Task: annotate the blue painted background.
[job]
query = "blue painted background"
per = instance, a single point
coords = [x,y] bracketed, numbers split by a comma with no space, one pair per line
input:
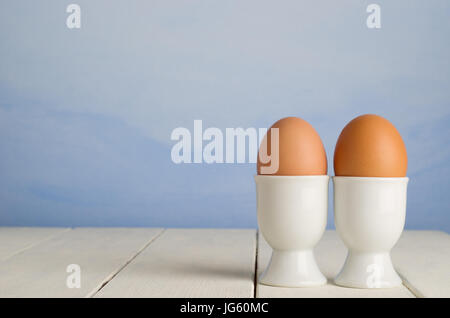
[86,115]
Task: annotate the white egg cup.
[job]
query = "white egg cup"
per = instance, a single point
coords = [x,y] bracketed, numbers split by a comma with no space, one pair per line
[369,215]
[292,216]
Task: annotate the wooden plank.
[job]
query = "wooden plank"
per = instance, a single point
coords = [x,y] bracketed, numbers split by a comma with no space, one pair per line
[15,240]
[190,263]
[101,252]
[330,255]
[423,260]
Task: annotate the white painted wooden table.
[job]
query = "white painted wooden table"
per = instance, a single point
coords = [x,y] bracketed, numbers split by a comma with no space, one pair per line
[150,262]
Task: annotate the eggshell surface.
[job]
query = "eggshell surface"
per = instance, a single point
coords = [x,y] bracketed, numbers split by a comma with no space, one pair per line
[370,146]
[301,151]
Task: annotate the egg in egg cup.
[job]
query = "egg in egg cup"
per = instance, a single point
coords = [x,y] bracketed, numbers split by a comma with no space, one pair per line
[370,189]
[292,201]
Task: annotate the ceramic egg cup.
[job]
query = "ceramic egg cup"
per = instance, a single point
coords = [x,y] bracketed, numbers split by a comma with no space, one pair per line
[292,216]
[369,217]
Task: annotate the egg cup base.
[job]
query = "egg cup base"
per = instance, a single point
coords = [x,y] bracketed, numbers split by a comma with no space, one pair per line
[368,270]
[292,269]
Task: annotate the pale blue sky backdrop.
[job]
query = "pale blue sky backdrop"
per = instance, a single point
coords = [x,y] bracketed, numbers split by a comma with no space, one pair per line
[86,115]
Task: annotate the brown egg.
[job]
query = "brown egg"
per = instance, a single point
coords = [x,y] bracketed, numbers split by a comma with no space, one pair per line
[301,151]
[370,146]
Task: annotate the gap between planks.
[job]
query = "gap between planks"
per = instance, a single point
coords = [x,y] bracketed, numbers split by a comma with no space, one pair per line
[115,273]
[31,245]
[255,280]
[409,286]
